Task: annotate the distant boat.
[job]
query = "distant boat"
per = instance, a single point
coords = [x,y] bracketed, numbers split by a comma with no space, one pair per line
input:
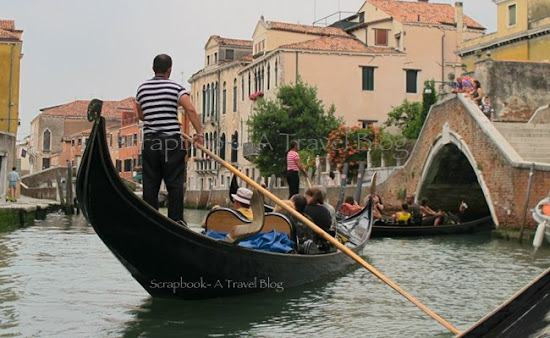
[173,261]
[380,229]
[541,214]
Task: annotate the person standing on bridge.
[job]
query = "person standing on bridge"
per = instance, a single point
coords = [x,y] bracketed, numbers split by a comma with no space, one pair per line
[157,102]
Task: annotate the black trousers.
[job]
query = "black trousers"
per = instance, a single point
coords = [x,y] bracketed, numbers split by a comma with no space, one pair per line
[293,179]
[164,158]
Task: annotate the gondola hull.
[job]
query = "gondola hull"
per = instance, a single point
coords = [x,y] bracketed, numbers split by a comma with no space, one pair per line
[172,261]
[524,315]
[482,224]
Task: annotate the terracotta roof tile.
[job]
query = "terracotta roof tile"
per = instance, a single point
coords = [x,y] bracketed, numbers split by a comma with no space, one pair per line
[422,12]
[233,42]
[79,108]
[7,25]
[338,44]
[290,27]
[6,34]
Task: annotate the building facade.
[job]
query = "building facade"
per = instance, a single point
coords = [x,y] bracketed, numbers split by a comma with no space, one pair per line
[10,66]
[54,125]
[364,65]
[523,34]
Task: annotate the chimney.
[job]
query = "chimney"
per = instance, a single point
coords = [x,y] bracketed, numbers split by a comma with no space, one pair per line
[459,19]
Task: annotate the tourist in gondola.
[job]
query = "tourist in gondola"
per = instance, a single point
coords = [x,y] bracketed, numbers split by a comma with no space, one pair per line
[349,207]
[329,207]
[429,216]
[402,217]
[377,206]
[157,102]
[414,209]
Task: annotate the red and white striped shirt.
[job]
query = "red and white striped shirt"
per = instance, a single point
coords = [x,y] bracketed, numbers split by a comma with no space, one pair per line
[292,161]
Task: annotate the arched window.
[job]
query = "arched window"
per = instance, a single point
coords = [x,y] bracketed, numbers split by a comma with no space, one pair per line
[224,99]
[268,75]
[276,73]
[235,95]
[215,143]
[207,113]
[206,141]
[222,146]
[249,84]
[46,140]
[256,79]
[203,102]
[213,99]
[242,87]
[234,147]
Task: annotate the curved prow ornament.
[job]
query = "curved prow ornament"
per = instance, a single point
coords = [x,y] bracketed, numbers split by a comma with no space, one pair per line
[94,109]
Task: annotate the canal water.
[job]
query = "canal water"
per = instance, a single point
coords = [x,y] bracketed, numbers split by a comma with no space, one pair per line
[57,279]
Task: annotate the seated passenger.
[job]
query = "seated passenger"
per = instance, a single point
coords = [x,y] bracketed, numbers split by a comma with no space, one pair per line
[402,217]
[429,216]
[241,203]
[349,207]
[377,206]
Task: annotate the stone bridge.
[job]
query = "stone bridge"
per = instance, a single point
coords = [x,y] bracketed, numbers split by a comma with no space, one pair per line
[461,156]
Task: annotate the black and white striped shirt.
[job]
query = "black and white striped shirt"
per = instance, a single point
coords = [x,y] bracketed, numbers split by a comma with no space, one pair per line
[158,98]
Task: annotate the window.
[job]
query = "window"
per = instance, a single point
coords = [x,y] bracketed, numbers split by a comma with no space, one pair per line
[229,54]
[242,87]
[118,165]
[72,142]
[235,95]
[276,73]
[45,163]
[46,140]
[215,57]
[268,75]
[249,84]
[79,142]
[110,140]
[412,77]
[512,15]
[224,99]
[127,165]
[135,141]
[381,37]
[222,147]
[234,147]
[203,101]
[207,113]
[368,78]
[208,60]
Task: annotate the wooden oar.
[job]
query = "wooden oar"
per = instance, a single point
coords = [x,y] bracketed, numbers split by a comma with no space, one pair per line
[326,236]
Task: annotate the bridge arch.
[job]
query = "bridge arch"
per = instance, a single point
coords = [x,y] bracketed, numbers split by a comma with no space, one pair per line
[451,172]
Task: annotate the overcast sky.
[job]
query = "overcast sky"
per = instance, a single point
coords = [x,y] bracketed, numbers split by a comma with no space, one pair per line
[78,50]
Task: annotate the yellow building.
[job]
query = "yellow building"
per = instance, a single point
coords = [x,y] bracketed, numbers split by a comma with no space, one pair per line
[10,61]
[523,33]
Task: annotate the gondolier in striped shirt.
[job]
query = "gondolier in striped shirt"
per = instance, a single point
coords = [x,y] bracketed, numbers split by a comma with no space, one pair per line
[157,102]
[293,166]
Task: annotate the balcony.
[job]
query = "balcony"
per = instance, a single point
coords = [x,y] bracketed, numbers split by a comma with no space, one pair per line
[251,151]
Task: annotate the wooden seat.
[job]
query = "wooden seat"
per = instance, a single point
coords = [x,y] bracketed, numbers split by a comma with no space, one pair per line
[224,219]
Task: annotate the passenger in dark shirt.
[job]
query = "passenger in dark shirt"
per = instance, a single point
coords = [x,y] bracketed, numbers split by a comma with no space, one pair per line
[414,209]
[315,209]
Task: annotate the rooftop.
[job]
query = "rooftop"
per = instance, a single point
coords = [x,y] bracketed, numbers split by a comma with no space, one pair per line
[339,44]
[290,27]
[79,108]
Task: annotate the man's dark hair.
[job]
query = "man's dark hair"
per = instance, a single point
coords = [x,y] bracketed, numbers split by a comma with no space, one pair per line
[405,206]
[13,168]
[162,63]
[300,202]
[293,144]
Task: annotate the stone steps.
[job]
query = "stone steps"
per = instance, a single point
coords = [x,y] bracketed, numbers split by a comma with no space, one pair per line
[532,142]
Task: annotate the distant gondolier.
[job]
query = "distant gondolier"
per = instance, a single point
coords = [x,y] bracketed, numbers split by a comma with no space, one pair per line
[157,102]
[293,166]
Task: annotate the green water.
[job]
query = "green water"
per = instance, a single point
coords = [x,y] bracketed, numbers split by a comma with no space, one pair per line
[57,279]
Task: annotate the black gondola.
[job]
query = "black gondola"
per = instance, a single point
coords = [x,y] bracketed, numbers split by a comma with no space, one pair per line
[381,229]
[172,261]
[524,315]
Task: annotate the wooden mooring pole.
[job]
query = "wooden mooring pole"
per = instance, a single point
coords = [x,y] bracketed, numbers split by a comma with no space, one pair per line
[531,174]
[69,206]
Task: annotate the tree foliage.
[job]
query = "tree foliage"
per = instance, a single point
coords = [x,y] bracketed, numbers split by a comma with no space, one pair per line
[409,117]
[295,114]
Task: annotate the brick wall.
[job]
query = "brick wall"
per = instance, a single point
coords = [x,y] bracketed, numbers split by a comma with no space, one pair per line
[505,181]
